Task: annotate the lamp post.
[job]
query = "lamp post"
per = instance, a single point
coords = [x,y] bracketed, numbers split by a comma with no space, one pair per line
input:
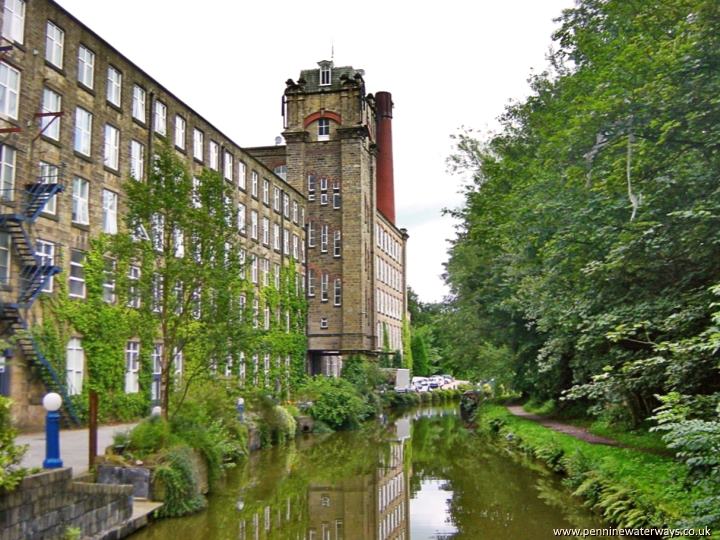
[52,403]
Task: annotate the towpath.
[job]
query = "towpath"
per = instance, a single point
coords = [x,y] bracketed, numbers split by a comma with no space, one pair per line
[574,431]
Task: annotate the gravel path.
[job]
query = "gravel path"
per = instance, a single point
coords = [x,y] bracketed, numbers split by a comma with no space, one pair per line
[574,431]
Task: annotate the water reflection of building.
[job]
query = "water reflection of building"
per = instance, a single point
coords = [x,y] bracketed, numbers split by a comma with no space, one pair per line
[371,506]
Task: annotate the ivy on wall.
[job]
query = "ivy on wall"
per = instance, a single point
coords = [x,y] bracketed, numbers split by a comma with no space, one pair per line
[191,294]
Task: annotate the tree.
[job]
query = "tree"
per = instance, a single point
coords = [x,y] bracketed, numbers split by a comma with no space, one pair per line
[420,356]
[183,242]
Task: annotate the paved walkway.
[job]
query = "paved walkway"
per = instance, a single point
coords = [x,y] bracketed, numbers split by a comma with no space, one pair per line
[73,446]
[574,431]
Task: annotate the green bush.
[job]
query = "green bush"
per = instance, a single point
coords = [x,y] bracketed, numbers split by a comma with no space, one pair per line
[10,454]
[336,402]
[182,495]
[149,436]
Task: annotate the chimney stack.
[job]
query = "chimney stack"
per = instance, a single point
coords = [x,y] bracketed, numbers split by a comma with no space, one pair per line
[385,182]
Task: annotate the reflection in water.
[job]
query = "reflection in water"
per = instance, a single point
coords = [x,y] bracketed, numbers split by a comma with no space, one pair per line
[418,477]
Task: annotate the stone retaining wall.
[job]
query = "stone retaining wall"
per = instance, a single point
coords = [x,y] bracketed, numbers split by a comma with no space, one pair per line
[45,505]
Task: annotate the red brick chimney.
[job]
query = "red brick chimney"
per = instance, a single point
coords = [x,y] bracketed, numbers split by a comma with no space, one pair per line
[385,182]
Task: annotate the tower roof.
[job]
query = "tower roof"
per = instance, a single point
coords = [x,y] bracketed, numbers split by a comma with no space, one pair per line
[338,76]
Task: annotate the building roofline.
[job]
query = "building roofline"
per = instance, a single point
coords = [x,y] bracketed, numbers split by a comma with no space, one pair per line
[402,232]
[156,82]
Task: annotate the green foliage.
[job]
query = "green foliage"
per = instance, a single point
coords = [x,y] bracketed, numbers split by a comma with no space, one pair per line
[149,437]
[585,265]
[335,402]
[72,533]
[630,488]
[182,495]
[10,454]
[420,356]
[697,444]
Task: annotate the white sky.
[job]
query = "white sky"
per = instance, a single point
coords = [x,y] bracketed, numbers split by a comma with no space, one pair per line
[447,64]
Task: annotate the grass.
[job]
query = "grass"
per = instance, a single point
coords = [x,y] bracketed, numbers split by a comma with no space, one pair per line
[652,484]
[639,438]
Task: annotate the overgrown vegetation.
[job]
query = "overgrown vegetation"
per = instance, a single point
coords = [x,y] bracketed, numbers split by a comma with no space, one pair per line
[630,488]
[585,266]
[11,454]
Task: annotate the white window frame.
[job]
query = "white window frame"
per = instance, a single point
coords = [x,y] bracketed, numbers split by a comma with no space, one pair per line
[337,296]
[253,224]
[276,236]
[254,181]
[323,129]
[337,244]
[242,218]
[86,67]
[82,141]
[8,156]
[137,160]
[266,191]
[139,98]
[46,253]
[180,132]
[324,232]
[49,174]
[214,156]
[325,75]
[9,90]
[111,150]
[132,366]
[157,231]
[54,44]
[77,267]
[311,282]
[13,27]
[51,103]
[133,286]
[113,92]
[74,366]
[109,207]
[80,201]
[242,178]
[324,285]
[228,160]
[5,258]
[265,231]
[198,144]
[160,118]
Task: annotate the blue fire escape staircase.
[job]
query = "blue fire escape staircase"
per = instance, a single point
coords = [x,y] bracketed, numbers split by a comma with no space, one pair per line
[34,276]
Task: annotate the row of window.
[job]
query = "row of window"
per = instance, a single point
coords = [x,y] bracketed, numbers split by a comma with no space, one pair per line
[387,274]
[387,243]
[324,230]
[324,287]
[260,230]
[396,518]
[388,305]
[321,184]
[394,336]
[390,491]
[13,29]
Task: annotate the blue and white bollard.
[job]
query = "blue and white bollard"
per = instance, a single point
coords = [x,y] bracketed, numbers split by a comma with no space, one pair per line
[52,403]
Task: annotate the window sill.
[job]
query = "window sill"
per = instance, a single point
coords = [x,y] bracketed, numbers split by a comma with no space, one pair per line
[51,217]
[56,68]
[81,226]
[50,140]
[116,172]
[89,90]
[113,106]
[139,122]
[82,156]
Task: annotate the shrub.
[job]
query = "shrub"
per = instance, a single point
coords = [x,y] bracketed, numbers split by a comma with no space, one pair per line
[336,402]
[10,454]
[182,495]
[149,436]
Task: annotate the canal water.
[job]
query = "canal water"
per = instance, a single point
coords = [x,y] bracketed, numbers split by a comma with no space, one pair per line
[420,476]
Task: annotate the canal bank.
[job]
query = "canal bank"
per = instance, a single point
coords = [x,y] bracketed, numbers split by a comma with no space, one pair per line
[421,475]
[630,488]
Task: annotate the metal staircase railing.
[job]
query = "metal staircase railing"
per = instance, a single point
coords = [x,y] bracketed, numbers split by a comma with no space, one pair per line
[34,276]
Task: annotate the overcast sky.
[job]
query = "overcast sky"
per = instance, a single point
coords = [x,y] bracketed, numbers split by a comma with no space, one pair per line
[448,64]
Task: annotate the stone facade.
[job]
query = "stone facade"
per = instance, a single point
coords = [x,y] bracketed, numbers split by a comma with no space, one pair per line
[330,156]
[113,115]
[45,505]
